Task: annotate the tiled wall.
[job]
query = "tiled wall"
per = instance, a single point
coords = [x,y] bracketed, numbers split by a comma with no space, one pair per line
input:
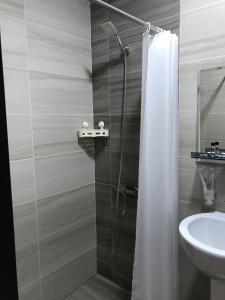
[47,67]
[116,239]
[201,47]
[211,103]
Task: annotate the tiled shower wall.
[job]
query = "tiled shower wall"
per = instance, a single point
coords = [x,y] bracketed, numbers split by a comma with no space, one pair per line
[47,69]
[202,46]
[116,240]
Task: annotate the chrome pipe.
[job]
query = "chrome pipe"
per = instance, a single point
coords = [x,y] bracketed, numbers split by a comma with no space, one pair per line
[148,26]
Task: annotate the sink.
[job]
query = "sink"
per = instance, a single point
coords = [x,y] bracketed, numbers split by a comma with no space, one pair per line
[203,239]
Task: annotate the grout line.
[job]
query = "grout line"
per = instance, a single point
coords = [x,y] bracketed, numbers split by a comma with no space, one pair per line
[21,19]
[183,64]
[95,223]
[51,115]
[56,74]
[116,75]
[62,74]
[117,114]
[55,194]
[64,228]
[188,110]
[14,67]
[18,115]
[110,153]
[64,191]
[188,201]
[128,72]
[66,263]
[188,11]
[114,283]
[38,157]
[24,203]
[166,18]
[106,184]
[217,113]
[35,179]
[49,28]
[103,183]
[32,243]
[79,287]
[93,125]
[113,236]
[59,74]
[53,270]
[57,154]
[28,285]
[184,156]
[22,159]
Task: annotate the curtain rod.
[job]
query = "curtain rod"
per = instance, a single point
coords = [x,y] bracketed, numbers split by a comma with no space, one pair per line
[122,13]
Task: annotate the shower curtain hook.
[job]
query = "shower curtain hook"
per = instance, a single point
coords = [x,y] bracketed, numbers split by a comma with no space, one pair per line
[149,27]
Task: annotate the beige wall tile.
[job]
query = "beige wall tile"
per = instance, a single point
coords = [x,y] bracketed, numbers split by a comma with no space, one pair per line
[63,172]
[20,137]
[201,39]
[71,17]
[55,52]
[12,7]
[14,41]
[16,91]
[55,94]
[22,181]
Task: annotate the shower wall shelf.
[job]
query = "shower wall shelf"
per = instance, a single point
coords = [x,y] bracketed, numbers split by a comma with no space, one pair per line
[208,156]
[85,132]
[213,153]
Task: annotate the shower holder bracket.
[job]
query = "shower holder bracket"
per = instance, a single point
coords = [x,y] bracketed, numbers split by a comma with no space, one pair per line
[85,132]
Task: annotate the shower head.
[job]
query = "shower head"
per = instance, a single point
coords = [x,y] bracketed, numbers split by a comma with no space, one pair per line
[109,28]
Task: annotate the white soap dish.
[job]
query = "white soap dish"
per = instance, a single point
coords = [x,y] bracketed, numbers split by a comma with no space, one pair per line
[85,132]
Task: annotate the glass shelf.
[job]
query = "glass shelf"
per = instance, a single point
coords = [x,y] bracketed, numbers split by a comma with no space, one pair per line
[211,156]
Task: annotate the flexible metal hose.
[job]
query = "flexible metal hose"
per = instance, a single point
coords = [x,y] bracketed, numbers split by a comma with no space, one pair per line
[122,134]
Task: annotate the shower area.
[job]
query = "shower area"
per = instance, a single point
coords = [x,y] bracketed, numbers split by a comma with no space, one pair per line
[117,99]
[75,200]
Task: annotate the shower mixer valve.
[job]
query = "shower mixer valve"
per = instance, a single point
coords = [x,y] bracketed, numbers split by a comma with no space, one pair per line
[86,132]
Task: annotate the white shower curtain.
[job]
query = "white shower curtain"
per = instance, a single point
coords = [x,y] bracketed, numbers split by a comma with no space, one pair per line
[155,264]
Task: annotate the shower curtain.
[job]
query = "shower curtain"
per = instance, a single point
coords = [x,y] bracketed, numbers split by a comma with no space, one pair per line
[155,263]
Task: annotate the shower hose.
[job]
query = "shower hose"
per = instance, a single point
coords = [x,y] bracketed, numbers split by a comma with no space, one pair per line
[125,53]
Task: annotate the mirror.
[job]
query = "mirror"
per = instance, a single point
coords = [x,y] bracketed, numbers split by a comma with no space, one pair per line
[211,114]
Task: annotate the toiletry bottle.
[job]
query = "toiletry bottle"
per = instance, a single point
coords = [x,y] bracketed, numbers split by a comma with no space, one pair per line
[212,148]
[217,147]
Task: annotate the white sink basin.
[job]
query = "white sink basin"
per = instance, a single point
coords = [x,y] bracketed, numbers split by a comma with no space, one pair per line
[203,238]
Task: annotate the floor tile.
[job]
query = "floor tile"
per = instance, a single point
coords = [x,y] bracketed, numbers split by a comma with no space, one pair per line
[99,288]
